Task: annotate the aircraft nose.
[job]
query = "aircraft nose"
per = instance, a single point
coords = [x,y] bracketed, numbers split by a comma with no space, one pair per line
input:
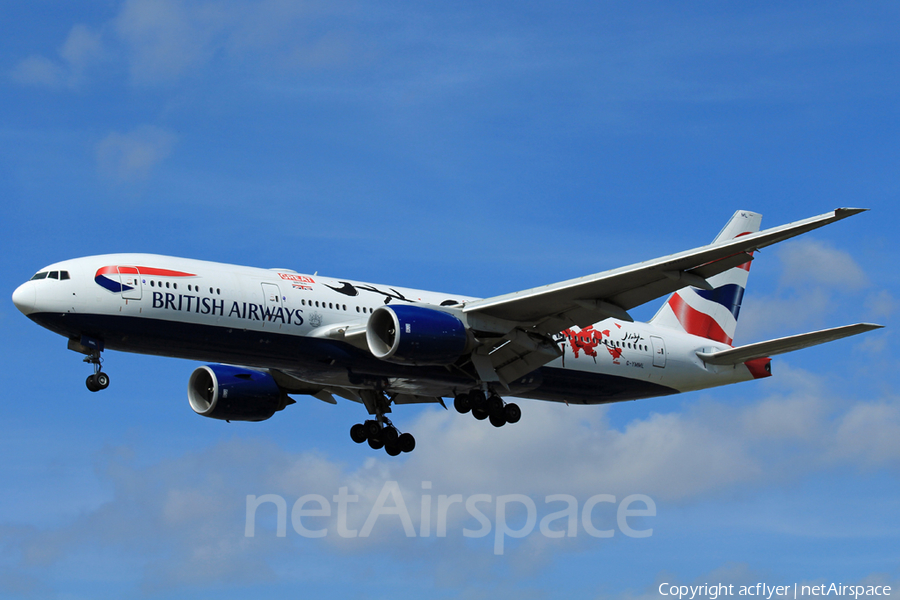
[25,297]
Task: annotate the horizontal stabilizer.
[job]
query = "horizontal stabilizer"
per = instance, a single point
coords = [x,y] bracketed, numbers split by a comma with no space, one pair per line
[782,345]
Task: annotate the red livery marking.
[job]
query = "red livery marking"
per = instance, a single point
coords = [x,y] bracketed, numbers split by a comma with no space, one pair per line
[585,340]
[163,272]
[760,367]
[616,353]
[746,265]
[697,323]
[115,270]
[293,277]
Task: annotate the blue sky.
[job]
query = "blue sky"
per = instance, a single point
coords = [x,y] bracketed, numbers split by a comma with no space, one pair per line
[479,150]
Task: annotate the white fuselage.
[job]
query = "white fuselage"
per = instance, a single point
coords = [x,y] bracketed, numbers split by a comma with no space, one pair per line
[279,319]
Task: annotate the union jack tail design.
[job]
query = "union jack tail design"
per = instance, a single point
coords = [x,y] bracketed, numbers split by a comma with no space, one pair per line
[713,314]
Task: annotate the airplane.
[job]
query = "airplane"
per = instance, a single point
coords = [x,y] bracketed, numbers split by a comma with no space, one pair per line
[272,333]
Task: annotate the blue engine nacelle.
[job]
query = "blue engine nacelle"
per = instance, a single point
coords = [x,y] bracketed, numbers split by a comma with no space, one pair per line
[235,393]
[415,335]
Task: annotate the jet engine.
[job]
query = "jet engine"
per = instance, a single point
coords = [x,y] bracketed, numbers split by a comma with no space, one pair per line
[415,335]
[235,393]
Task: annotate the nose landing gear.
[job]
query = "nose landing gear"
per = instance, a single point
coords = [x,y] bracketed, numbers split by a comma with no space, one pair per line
[99,380]
[91,348]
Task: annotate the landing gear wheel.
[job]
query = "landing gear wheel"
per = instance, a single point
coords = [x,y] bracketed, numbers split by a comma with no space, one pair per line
[512,413]
[91,383]
[390,434]
[461,404]
[476,399]
[376,443]
[102,380]
[480,414]
[494,405]
[358,433]
[497,419]
[373,429]
[406,442]
[392,449]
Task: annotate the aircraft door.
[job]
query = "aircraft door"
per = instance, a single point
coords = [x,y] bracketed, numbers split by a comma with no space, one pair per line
[130,280]
[271,298]
[659,351]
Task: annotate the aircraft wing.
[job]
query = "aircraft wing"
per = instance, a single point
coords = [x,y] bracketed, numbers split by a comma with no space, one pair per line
[523,321]
[583,301]
[782,345]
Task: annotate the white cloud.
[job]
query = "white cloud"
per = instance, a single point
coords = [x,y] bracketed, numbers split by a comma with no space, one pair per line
[81,48]
[165,37]
[869,434]
[881,304]
[193,506]
[809,261]
[131,156]
[817,283]
[41,71]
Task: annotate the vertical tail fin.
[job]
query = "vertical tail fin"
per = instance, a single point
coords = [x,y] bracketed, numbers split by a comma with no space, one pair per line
[713,314]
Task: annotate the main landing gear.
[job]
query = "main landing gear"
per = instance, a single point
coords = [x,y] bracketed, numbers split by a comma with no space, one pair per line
[487,407]
[99,380]
[383,435]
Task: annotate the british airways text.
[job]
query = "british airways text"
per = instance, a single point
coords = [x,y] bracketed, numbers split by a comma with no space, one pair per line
[239,310]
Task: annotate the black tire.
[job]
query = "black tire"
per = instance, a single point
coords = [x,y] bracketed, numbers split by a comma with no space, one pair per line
[476,399]
[373,429]
[91,383]
[390,434]
[461,404]
[376,443]
[512,413]
[102,380]
[392,449]
[480,414]
[494,405]
[358,433]
[497,419]
[406,442]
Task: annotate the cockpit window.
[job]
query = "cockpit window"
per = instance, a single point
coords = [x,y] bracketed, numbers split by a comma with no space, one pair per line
[60,275]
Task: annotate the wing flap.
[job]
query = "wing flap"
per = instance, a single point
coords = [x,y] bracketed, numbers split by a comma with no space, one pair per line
[782,345]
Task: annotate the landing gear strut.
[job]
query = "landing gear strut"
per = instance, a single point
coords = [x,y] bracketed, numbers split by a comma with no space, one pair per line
[99,380]
[487,407]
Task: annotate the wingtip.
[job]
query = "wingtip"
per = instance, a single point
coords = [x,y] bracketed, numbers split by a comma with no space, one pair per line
[848,212]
